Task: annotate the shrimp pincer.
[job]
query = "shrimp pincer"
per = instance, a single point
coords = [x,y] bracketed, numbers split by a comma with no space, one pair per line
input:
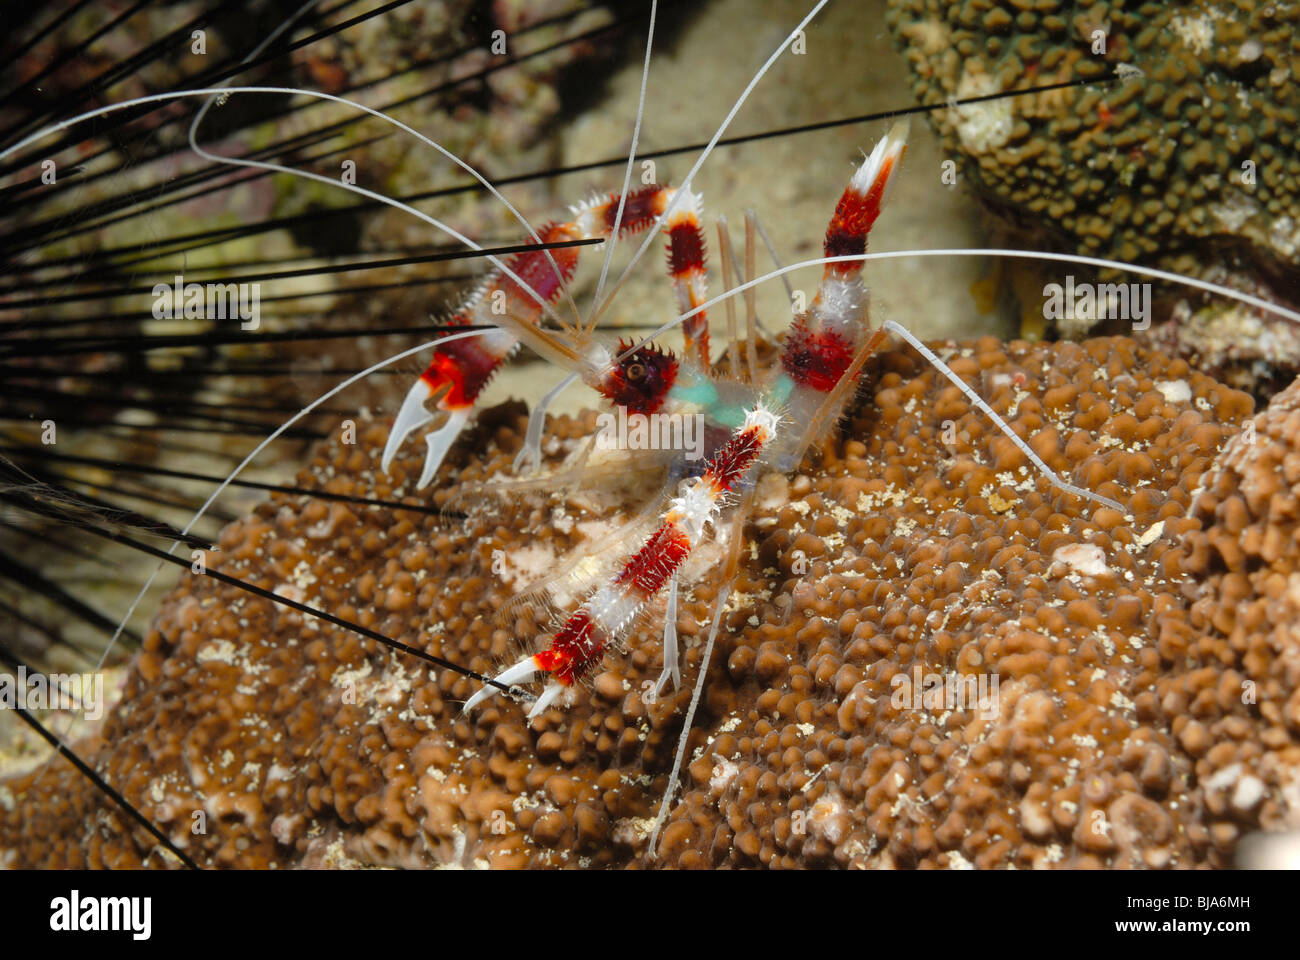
[459,371]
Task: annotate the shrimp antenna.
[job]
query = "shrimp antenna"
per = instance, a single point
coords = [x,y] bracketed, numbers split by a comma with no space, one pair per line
[1001,424]
[306,174]
[684,188]
[631,158]
[203,112]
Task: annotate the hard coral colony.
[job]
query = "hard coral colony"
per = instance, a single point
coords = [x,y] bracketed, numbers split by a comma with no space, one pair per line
[985,603]
[1193,167]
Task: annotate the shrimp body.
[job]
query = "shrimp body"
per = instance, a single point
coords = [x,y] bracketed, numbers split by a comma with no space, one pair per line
[815,359]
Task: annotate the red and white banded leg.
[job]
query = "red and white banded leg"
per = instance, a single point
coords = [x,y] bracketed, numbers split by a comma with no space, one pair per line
[823,340]
[460,370]
[689,273]
[580,643]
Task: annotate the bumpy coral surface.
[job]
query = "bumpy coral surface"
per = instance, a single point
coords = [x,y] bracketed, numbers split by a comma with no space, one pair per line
[1191,163]
[1241,723]
[1147,166]
[1138,675]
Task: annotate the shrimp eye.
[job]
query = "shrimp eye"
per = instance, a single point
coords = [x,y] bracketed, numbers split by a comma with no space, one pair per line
[636,371]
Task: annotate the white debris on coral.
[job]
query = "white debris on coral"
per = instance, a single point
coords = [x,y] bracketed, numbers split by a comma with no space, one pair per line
[1250,51]
[222,650]
[1175,391]
[1234,211]
[982,126]
[1284,235]
[633,831]
[724,771]
[1250,790]
[1086,559]
[1150,536]
[1196,33]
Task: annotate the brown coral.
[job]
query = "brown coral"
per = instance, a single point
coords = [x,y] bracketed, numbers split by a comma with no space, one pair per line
[1236,694]
[918,541]
[1136,168]
[1190,163]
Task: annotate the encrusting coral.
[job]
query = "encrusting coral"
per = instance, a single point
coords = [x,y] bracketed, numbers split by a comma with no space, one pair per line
[1235,701]
[1187,158]
[1111,654]
[1138,168]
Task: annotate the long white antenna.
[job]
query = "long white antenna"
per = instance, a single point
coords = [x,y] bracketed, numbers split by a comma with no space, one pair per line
[1002,425]
[307,174]
[631,155]
[1152,272]
[684,188]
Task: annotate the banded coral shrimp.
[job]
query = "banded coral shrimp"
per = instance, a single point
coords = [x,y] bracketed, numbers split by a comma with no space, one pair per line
[437,762]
